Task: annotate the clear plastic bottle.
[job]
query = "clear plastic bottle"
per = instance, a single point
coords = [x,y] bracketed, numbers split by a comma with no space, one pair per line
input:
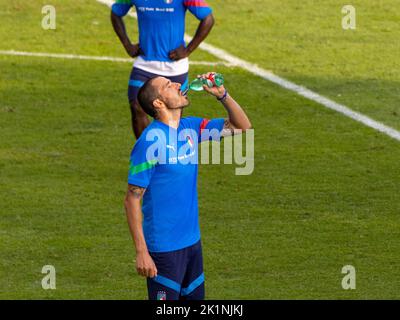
[213,80]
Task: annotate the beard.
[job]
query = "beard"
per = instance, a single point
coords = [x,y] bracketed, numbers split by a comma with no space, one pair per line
[177,107]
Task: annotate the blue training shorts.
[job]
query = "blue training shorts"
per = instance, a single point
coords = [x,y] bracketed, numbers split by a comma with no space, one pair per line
[179,275]
[139,77]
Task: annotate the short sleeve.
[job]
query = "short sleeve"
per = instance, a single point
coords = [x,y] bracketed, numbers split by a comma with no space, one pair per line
[199,8]
[208,129]
[211,129]
[121,7]
[142,164]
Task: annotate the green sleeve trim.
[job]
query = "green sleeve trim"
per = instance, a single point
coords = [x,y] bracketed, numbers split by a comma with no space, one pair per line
[142,167]
[123,1]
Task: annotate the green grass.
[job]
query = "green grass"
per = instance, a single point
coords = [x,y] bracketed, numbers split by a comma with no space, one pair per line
[324,192]
[83,27]
[304,42]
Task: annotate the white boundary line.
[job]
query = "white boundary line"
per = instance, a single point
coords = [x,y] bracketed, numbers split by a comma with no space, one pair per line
[267,75]
[97,58]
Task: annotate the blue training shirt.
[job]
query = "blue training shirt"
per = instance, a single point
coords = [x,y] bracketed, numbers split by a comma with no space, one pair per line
[164,161]
[161,23]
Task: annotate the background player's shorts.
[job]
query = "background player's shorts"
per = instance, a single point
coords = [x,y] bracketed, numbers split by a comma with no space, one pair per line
[139,77]
[179,275]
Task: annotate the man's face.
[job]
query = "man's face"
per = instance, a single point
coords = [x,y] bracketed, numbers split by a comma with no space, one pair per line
[170,93]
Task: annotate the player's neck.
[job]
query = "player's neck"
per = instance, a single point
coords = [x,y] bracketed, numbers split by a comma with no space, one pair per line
[171,117]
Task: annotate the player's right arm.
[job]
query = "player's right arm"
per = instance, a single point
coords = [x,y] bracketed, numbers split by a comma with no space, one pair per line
[237,121]
[119,9]
[144,263]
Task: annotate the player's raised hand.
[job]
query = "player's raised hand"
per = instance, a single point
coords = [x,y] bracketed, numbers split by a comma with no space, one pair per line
[179,53]
[132,49]
[215,91]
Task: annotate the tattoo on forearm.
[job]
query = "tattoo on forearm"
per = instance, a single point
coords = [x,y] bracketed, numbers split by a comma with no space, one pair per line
[228,129]
[136,191]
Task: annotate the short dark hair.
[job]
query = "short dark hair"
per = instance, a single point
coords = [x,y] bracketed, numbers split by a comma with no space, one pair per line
[146,96]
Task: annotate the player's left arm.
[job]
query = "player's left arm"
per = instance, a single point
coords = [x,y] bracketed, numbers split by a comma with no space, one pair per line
[203,29]
[202,32]
[237,120]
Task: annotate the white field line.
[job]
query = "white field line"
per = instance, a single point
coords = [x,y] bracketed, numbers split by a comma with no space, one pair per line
[101,58]
[268,75]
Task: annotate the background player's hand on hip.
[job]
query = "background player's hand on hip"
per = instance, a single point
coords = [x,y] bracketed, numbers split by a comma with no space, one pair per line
[179,53]
[133,50]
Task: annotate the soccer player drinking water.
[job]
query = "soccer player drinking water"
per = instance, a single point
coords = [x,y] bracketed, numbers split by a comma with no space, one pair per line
[163,172]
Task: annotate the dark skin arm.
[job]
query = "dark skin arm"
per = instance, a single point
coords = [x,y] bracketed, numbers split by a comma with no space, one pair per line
[139,117]
[202,31]
[132,50]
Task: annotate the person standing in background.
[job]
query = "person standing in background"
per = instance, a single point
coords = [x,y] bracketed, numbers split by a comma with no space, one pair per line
[161,50]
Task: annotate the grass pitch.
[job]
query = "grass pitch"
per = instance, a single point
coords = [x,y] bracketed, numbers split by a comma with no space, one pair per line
[324,192]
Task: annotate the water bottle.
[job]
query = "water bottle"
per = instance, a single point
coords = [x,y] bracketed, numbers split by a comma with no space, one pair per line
[213,80]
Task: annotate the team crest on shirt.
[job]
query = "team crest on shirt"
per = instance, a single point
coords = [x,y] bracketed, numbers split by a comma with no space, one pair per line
[168,1]
[161,295]
[189,141]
